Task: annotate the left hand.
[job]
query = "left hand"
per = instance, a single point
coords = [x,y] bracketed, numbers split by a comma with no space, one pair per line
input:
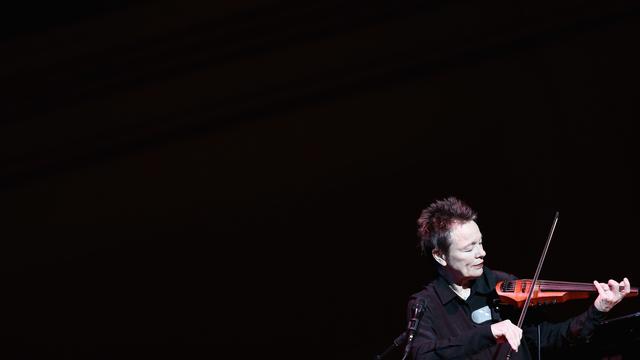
[611,293]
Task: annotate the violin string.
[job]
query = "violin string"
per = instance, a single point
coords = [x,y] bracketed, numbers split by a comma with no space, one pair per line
[547,285]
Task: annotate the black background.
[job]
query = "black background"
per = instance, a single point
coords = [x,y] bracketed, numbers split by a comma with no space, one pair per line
[197,180]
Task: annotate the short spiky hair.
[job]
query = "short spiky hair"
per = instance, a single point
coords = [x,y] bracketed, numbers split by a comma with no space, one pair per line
[435,223]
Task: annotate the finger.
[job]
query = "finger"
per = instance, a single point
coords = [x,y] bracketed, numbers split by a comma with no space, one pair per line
[507,336]
[599,287]
[614,286]
[605,289]
[626,286]
[518,338]
[513,340]
[516,335]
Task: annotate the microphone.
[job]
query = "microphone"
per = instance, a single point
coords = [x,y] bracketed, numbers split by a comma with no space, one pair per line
[417,310]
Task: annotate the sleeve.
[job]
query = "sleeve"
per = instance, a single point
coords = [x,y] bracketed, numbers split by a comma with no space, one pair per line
[427,346]
[577,329]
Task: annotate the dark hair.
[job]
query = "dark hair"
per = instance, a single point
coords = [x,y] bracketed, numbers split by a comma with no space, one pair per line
[435,223]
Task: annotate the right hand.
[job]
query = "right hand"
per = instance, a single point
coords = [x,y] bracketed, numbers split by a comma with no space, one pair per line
[507,331]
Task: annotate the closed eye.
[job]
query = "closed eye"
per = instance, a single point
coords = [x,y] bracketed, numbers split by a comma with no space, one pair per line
[469,249]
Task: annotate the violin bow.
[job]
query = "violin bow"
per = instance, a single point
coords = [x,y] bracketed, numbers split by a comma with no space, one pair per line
[535,277]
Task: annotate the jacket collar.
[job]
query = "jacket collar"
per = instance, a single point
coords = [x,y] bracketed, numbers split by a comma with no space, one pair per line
[485,284]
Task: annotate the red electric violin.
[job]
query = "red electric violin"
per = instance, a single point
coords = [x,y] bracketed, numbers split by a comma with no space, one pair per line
[515,292]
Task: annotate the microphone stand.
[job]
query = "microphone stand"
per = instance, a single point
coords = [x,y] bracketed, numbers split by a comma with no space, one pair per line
[396,344]
[413,326]
[417,310]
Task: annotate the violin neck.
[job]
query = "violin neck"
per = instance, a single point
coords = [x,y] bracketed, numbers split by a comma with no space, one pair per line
[546,285]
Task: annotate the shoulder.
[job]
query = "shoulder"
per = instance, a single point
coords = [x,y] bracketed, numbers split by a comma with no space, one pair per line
[426,293]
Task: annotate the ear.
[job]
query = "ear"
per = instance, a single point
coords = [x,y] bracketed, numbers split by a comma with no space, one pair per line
[439,256]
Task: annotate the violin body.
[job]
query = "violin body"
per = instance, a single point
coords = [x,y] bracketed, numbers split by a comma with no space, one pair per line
[515,292]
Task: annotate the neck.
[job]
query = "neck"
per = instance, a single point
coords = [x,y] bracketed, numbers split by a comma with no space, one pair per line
[461,291]
[462,283]
[461,286]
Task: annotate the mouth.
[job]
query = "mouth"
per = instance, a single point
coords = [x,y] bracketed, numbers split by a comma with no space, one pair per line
[478,266]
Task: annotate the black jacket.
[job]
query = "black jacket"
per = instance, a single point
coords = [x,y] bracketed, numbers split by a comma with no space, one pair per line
[447,330]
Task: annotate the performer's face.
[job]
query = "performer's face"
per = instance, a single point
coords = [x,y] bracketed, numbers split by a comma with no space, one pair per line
[465,257]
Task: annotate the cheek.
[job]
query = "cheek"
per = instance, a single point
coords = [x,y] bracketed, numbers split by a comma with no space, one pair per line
[465,258]
[461,261]
[469,260]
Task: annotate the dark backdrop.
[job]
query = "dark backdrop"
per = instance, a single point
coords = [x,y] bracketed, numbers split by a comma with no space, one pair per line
[196,180]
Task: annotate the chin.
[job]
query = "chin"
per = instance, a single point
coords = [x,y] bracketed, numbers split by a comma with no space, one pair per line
[476,273]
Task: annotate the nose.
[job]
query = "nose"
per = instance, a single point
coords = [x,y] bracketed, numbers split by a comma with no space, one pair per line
[481,253]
